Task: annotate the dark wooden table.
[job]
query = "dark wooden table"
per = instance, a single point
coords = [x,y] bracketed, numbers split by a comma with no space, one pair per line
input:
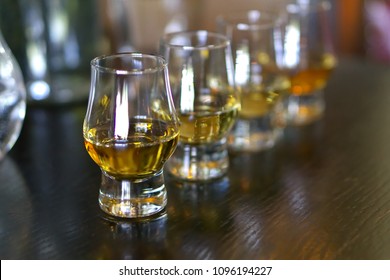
[322,193]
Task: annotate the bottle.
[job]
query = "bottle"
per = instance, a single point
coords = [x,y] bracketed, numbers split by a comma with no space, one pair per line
[55,42]
[12,99]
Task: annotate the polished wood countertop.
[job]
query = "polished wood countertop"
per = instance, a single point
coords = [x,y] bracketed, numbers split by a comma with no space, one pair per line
[322,193]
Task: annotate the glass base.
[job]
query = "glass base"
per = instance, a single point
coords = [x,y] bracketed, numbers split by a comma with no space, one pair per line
[133,199]
[199,162]
[252,135]
[305,109]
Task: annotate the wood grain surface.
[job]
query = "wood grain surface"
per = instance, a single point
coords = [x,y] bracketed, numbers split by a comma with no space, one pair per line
[322,193]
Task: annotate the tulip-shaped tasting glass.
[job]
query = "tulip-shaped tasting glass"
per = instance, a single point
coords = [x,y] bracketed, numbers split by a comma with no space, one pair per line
[259,81]
[130,131]
[201,75]
[306,53]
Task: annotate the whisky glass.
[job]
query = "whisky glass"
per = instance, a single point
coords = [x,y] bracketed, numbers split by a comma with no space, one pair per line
[130,130]
[306,53]
[258,80]
[201,76]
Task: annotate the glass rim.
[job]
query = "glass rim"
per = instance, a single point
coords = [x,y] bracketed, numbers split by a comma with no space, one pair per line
[306,6]
[161,63]
[241,20]
[167,37]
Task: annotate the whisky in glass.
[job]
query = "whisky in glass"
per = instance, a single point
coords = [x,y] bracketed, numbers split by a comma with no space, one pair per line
[130,131]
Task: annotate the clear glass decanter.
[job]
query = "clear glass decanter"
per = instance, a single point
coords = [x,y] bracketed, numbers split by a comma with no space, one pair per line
[12,99]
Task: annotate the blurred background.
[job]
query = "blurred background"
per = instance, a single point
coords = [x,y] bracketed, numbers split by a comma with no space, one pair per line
[54,40]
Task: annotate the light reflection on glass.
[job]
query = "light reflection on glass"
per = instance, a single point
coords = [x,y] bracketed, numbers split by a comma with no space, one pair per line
[39,90]
[187,88]
[291,45]
[121,128]
[37,60]
[242,64]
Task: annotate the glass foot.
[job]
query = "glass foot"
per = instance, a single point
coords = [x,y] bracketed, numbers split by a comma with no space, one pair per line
[253,135]
[199,162]
[132,199]
[305,109]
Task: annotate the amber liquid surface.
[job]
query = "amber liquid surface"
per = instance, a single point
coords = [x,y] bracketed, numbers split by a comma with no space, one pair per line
[258,100]
[141,153]
[314,77]
[209,122]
